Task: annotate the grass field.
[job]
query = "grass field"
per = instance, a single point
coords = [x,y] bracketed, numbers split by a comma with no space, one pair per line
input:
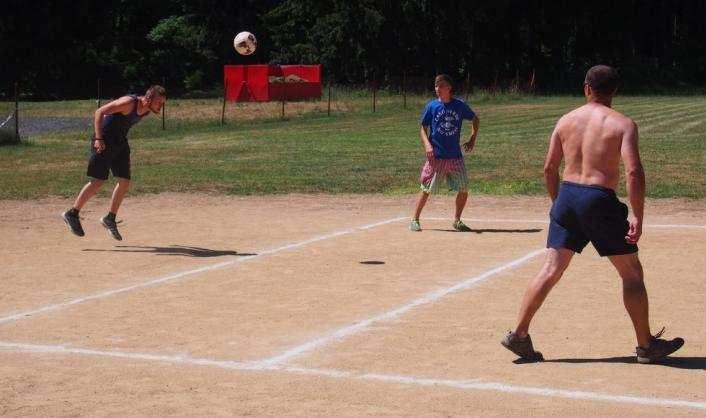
[351,151]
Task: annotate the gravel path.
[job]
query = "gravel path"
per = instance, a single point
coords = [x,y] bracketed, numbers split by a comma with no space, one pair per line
[37,125]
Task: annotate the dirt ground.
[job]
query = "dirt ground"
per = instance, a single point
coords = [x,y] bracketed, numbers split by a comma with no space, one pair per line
[328,305]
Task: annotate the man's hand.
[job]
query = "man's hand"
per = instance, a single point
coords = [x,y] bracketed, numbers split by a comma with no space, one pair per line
[430,153]
[99,145]
[635,231]
[468,146]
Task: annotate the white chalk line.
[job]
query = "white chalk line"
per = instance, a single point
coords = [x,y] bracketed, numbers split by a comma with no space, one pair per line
[466,384]
[187,273]
[545,222]
[431,297]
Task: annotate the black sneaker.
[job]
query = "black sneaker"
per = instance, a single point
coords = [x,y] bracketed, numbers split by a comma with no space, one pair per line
[658,349]
[73,222]
[522,347]
[112,227]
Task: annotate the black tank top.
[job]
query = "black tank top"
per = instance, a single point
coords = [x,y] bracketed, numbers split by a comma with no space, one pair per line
[116,125]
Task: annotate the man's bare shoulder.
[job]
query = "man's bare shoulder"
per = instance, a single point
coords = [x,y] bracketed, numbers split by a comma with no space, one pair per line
[620,121]
[569,118]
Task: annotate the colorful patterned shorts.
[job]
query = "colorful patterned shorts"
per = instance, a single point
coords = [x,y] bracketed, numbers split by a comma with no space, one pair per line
[451,170]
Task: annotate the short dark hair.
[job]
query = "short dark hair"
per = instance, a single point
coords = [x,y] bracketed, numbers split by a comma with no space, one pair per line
[602,79]
[156,90]
[445,78]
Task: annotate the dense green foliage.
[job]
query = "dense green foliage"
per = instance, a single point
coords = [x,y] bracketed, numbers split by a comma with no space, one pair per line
[60,48]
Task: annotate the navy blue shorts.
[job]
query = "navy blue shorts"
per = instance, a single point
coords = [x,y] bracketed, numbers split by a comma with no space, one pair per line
[583,213]
[114,158]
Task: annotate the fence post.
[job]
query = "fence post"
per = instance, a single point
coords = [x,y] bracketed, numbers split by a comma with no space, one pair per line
[17,112]
[328,111]
[223,110]
[404,89]
[284,94]
[164,105]
[468,87]
[374,93]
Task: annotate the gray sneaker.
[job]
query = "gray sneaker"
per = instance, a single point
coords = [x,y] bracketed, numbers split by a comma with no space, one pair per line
[414,225]
[112,227]
[522,347]
[461,227]
[658,349]
[73,221]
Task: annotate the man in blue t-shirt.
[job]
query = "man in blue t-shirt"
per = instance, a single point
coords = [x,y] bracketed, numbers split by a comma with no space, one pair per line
[441,136]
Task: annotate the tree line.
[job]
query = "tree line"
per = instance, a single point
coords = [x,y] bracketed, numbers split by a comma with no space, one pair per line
[58,49]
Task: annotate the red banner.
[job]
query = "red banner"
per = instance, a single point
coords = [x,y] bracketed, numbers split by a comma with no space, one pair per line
[262,83]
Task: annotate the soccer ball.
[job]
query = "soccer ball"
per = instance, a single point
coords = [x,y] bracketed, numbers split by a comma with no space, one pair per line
[245,43]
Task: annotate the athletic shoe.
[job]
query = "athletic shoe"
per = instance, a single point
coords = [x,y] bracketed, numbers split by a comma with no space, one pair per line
[521,346]
[658,349]
[461,227]
[73,221]
[414,225]
[112,227]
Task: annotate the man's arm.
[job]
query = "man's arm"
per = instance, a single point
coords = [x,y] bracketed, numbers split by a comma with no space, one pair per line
[634,181]
[428,149]
[121,105]
[468,146]
[552,163]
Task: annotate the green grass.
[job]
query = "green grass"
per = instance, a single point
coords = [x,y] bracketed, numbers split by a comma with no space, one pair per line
[351,151]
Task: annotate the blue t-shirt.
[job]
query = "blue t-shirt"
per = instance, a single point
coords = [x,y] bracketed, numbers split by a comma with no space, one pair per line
[445,120]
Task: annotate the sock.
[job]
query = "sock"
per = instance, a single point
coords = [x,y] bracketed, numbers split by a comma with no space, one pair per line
[111,216]
[73,211]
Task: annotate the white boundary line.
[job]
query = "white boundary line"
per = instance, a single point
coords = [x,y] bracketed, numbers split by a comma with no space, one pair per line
[537,221]
[186,273]
[466,385]
[431,297]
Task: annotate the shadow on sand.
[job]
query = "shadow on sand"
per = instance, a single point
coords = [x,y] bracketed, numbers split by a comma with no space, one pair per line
[173,250]
[691,363]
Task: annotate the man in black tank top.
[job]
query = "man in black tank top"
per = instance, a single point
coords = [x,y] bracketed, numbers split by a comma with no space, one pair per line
[110,151]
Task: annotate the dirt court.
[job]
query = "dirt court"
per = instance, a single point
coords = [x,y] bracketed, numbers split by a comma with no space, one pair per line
[328,306]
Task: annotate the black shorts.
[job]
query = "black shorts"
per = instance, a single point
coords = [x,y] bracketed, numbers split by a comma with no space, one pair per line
[583,213]
[115,158]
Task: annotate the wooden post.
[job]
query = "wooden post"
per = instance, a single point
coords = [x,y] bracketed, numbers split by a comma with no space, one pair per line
[404,89]
[164,106]
[223,110]
[284,94]
[468,86]
[328,112]
[374,92]
[17,112]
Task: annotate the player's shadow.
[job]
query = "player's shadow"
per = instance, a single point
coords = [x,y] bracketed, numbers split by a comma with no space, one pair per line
[691,363]
[174,250]
[491,230]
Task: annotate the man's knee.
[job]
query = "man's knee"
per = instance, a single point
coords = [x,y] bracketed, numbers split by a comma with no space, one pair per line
[634,285]
[631,271]
[124,183]
[96,183]
[552,274]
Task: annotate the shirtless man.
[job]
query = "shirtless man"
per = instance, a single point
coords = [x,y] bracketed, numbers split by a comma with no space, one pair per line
[594,138]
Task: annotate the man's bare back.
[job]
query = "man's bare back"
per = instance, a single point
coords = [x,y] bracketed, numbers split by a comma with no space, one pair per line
[591,139]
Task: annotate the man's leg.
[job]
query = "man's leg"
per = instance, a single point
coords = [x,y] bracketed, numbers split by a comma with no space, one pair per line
[634,295]
[421,201]
[119,194]
[108,220]
[557,261]
[88,191]
[461,199]
[71,216]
